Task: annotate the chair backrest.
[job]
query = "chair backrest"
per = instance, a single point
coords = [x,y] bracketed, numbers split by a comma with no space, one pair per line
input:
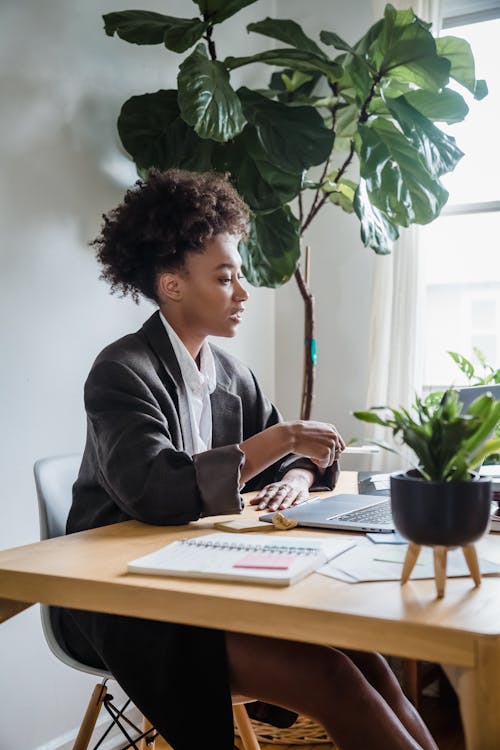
[54,478]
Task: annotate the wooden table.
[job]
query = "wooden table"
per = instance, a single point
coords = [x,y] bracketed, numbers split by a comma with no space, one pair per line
[89,571]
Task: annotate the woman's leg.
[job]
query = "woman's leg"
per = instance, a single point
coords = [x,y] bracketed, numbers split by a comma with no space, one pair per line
[320,682]
[382,678]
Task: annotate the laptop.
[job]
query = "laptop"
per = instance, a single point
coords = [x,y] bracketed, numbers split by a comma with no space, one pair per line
[342,512]
[469,393]
[364,512]
[467,396]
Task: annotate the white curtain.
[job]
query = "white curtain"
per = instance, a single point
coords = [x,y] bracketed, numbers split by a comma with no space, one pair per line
[395,356]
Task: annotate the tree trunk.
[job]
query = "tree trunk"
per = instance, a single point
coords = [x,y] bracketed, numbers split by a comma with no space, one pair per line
[309,367]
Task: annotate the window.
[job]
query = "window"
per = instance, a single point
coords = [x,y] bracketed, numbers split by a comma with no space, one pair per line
[461,249]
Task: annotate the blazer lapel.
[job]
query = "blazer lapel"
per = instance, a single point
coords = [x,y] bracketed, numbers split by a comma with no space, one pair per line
[227,416]
[158,339]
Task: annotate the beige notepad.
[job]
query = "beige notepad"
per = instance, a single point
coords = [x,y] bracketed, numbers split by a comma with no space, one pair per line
[240,525]
[276,560]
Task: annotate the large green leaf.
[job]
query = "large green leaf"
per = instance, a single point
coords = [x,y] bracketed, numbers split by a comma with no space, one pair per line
[293,138]
[438,151]
[346,120]
[183,34]
[272,250]
[397,25]
[397,180]
[356,76]
[459,54]
[137,26]
[145,27]
[288,32]
[377,231]
[334,40]
[445,106]
[289,85]
[415,61]
[294,58]
[406,50]
[340,193]
[217,11]
[364,45]
[154,134]
[263,185]
[206,99]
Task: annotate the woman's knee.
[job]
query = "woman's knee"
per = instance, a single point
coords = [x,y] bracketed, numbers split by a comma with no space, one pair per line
[337,674]
[378,673]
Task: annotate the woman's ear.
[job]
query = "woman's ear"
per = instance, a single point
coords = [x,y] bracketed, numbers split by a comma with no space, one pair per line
[169,287]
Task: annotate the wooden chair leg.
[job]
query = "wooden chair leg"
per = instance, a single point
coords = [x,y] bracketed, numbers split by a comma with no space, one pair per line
[245,727]
[89,720]
[143,744]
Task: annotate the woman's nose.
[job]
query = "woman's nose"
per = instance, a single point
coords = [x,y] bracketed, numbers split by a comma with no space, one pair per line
[240,292]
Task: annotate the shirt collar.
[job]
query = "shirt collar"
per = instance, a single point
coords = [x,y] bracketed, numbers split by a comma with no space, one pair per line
[193,377]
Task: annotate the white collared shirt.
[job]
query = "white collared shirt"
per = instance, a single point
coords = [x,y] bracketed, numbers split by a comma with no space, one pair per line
[199,384]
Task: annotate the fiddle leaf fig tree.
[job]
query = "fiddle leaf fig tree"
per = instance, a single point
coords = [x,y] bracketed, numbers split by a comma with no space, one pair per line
[364,117]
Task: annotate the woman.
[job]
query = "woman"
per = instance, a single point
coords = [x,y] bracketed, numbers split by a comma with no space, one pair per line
[176,429]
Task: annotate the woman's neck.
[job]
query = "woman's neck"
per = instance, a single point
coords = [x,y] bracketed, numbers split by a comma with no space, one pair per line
[191,341]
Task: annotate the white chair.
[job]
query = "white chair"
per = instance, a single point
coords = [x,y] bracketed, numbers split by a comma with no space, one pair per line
[54,478]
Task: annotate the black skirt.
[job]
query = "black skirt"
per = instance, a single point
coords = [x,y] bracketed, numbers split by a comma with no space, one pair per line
[176,675]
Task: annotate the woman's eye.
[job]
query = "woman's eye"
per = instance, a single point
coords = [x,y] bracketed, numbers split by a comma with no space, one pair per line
[225,281]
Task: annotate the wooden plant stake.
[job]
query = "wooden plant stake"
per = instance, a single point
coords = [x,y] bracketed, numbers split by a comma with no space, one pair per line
[440,559]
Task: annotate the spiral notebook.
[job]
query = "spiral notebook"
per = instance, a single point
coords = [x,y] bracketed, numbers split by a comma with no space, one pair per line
[249,557]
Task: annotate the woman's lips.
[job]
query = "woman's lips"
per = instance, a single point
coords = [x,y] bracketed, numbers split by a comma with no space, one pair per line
[236,315]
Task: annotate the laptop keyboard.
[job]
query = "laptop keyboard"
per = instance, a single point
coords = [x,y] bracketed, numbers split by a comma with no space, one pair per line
[380,513]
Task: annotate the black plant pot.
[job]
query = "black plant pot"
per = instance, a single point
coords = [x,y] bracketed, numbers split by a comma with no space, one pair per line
[451,514]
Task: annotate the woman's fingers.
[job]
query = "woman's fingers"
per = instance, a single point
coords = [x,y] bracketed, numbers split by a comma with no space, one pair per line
[278,496]
[320,441]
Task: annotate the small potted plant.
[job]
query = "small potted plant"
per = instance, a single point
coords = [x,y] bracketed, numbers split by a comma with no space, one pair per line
[442,500]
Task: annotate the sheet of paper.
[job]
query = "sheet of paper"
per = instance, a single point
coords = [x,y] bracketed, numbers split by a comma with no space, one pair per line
[394,538]
[370,562]
[398,554]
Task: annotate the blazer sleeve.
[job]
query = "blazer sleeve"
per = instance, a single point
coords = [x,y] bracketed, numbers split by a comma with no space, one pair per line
[138,462]
[268,415]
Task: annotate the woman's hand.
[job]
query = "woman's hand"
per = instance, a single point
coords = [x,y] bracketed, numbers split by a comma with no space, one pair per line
[291,490]
[319,441]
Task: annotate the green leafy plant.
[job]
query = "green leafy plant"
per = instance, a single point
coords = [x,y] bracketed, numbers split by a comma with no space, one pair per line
[329,107]
[448,444]
[489,373]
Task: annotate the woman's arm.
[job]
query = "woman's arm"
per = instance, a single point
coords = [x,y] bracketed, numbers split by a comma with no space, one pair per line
[318,441]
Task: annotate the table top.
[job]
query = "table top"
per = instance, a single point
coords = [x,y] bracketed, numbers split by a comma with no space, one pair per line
[88,570]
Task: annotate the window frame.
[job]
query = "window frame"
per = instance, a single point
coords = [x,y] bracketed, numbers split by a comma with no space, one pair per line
[449,22]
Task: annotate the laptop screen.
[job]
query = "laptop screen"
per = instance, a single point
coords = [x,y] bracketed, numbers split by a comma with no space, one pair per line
[468,394]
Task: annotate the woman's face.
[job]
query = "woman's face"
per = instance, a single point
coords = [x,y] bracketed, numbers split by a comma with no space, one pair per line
[211,296]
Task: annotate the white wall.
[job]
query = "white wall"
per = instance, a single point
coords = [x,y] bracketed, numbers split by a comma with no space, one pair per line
[62,84]
[341,273]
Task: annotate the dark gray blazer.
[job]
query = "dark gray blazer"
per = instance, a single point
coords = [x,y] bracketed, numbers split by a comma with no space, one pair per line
[134,463]
[135,466]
